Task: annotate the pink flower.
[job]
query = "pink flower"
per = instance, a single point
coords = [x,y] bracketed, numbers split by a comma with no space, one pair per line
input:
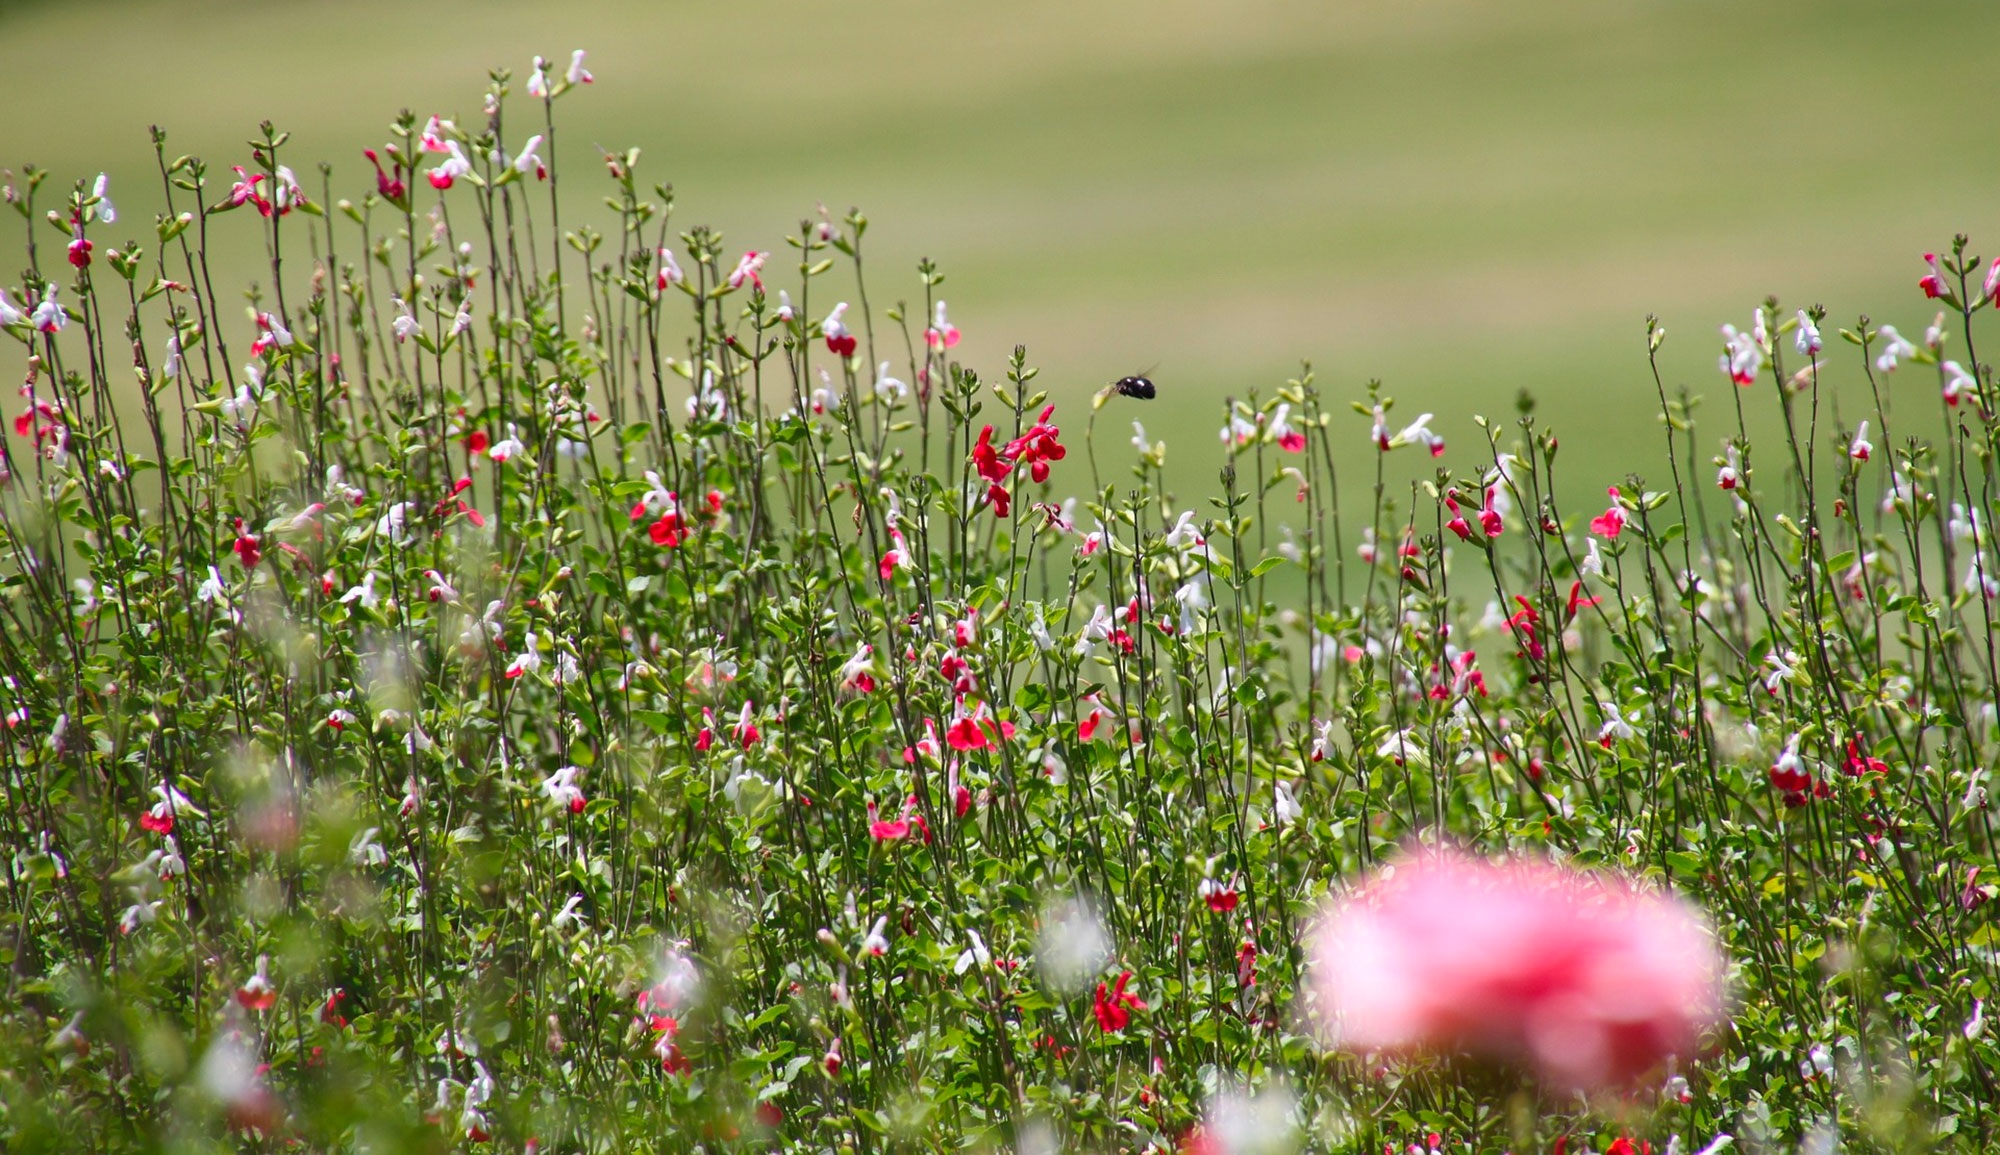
[1611,522]
[271,334]
[1489,513]
[450,168]
[896,829]
[1587,979]
[943,334]
[244,191]
[1742,356]
[897,557]
[670,271]
[1931,283]
[577,73]
[747,269]
[1860,449]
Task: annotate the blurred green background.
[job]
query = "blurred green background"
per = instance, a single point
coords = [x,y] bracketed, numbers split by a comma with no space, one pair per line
[1461,197]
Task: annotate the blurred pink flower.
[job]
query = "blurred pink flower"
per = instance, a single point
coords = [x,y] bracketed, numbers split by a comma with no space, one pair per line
[1586,978]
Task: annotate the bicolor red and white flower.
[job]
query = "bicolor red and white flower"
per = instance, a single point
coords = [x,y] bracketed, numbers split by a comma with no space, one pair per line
[942,334]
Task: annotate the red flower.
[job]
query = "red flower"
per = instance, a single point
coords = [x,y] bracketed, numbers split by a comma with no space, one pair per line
[668,531]
[965,734]
[329,1013]
[1457,523]
[897,829]
[1611,522]
[248,551]
[987,461]
[392,188]
[1859,762]
[1037,447]
[1576,599]
[1110,1006]
[1489,517]
[477,442]
[1931,283]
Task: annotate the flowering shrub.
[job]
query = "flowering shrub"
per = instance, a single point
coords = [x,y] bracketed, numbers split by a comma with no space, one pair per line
[547,684]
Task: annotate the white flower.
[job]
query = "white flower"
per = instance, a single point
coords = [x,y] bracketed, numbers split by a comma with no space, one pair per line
[10,314]
[1402,745]
[889,390]
[507,447]
[577,73]
[1957,382]
[561,788]
[102,191]
[1322,743]
[394,522]
[1185,536]
[1894,349]
[538,79]
[1098,628]
[1807,338]
[365,851]
[213,589]
[974,955]
[529,659]
[363,593]
[1419,432]
[1139,441]
[405,325]
[567,916]
[1193,597]
[1285,808]
[528,162]
[1615,725]
[1592,564]
[49,317]
[876,943]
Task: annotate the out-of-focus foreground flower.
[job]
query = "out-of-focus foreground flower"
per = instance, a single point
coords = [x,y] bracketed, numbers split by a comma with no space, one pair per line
[1586,979]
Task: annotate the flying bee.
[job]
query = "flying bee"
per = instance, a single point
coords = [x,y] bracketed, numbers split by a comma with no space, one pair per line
[1139,386]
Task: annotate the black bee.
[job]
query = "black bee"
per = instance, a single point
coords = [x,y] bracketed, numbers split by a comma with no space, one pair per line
[1136,386]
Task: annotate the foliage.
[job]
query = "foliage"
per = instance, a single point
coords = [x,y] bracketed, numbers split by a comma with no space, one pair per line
[557,690]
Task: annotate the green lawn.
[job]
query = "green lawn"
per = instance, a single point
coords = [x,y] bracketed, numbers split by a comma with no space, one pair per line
[1460,198]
